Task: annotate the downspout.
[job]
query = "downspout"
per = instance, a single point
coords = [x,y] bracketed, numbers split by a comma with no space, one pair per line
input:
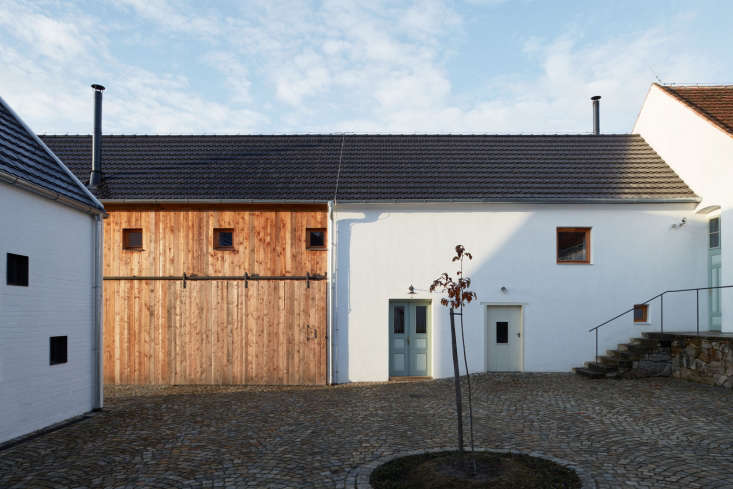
[97,349]
[331,282]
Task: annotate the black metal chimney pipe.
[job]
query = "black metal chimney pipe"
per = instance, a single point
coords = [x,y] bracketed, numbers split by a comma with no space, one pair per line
[96,176]
[596,115]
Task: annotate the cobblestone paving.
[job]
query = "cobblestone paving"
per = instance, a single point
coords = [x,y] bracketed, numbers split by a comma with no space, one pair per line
[648,433]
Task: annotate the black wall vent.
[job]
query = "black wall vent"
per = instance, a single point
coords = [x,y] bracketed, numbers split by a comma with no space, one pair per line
[59,350]
[17,270]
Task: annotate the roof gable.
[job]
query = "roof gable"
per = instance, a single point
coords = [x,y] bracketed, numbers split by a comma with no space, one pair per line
[715,103]
[395,168]
[26,157]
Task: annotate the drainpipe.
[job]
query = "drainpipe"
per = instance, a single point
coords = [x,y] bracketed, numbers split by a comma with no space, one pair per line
[97,348]
[331,282]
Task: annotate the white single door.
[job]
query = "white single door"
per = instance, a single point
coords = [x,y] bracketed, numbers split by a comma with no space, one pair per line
[504,338]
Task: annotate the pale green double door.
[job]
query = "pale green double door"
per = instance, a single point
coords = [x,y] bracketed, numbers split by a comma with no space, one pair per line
[409,339]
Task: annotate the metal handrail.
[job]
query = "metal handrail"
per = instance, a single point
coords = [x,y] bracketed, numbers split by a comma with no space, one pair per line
[660,296]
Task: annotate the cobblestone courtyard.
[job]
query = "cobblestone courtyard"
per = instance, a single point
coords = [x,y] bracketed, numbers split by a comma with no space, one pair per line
[651,433]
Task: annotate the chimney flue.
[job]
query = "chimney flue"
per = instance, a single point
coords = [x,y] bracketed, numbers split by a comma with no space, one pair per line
[96,176]
[596,115]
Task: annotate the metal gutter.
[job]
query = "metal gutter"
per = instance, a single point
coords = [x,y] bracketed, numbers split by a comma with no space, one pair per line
[330,295]
[97,336]
[50,194]
[55,158]
[679,200]
[211,201]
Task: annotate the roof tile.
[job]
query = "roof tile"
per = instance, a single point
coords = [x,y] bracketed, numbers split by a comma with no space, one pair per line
[376,167]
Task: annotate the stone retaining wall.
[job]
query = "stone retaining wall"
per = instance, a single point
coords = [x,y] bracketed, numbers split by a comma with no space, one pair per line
[706,358]
[703,359]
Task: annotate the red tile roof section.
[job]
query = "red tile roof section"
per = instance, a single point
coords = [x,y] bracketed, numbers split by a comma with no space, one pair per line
[712,102]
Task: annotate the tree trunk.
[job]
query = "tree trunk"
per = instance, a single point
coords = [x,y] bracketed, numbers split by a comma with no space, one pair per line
[456,376]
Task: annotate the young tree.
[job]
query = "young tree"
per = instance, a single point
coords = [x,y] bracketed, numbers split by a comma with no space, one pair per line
[458,295]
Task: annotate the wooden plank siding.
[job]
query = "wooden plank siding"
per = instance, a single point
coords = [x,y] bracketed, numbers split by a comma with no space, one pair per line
[214,332]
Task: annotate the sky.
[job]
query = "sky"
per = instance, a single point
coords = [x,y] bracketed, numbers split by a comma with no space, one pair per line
[279,67]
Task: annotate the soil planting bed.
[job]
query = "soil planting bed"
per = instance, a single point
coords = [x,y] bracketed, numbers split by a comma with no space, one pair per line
[447,470]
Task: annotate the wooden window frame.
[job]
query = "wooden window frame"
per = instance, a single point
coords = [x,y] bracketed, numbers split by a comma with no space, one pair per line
[308,232]
[126,239]
[218,247]
[585,230]
[645,308]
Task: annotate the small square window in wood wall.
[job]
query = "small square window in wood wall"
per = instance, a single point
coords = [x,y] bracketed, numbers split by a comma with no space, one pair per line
[641,313]
[223,239]
[132,239]
[315,238]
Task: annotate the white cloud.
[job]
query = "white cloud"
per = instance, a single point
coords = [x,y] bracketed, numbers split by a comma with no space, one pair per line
[174,16]
[339,65]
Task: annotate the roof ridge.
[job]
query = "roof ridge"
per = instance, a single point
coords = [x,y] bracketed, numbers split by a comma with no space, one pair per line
[694,85]
[695,106]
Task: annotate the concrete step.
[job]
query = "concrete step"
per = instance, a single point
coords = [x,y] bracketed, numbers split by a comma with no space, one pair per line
[590,373]
[616,361]
[648,342]
[601,367]
[635,348]
[624,355]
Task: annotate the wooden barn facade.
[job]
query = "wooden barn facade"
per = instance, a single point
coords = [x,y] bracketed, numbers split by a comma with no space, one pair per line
[214,294]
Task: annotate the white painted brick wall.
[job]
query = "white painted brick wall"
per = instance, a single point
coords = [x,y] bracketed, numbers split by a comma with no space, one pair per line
[57,302]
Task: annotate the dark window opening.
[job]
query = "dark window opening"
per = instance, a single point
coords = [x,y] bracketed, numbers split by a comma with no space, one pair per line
[641,313]
[17,270]
[315,239]
[421,319]
[714,232]
[132,239]
[59,351]
[502,332]
[224,239]
[573,245]
[399,320]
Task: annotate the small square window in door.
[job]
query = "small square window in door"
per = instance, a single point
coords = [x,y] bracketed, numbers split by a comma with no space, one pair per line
[502,332]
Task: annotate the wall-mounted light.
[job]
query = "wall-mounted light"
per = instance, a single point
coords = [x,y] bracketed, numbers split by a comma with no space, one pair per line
[503,289]
[682,222]
[411,290]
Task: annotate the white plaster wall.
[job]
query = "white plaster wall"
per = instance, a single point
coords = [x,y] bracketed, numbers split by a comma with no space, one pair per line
[57,302]
[636,253]
[702,154]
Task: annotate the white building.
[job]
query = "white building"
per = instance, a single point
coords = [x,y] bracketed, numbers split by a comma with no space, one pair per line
[49,294]
[565,232]
[691,127]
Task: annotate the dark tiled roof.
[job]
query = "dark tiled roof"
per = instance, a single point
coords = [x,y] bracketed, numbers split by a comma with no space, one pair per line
[22,156]
[713,102]
[386,167]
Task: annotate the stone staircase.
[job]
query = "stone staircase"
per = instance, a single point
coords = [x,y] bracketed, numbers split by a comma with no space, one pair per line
[626,357]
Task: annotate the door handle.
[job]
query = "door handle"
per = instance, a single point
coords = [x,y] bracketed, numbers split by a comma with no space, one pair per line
[519,335]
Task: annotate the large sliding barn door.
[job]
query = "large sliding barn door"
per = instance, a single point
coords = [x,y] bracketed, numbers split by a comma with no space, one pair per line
[215,332]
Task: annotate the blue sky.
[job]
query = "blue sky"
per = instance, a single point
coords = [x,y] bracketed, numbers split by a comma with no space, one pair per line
[177,67]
